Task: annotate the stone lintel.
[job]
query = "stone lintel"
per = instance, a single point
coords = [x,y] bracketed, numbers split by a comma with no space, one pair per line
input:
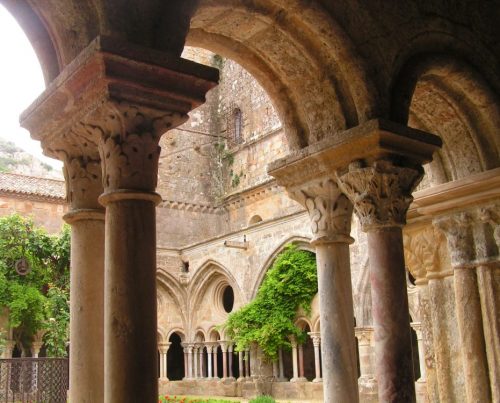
[112,70]
[463,193]
[370,141]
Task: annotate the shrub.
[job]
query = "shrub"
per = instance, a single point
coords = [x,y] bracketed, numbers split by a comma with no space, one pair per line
[263,399]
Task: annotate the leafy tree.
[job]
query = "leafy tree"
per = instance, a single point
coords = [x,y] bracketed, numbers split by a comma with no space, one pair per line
[289,284]
[39,300]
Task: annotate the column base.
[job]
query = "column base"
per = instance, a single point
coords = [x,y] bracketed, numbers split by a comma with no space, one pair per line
[317,380]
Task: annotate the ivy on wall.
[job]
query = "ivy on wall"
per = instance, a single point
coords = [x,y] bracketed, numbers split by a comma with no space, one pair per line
[38,300]
[291,283]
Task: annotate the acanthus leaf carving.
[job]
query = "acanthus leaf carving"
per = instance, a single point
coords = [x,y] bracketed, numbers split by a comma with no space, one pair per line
[330,211]
[129,145]
[381,193]
[421,252]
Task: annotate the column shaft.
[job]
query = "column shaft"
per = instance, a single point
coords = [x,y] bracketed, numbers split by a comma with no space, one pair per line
[209,362]
[280,362]
[470,327]
[240,365]
[130,302]
[247,364]
[301,360]
[216,364]
[487,278]
[294,362]
[224,363]
[87,306]
[393,360]
[340,380]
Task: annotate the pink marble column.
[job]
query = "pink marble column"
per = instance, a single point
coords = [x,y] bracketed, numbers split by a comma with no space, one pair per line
[223,347]
[216,364]
[381,195]
[240,366]
[247,364]
[230,359]
[316,339]
[295,359]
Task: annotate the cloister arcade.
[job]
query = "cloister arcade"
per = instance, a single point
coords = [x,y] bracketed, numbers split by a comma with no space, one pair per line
[370,95]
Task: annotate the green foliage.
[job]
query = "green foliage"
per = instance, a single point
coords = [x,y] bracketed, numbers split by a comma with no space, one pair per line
[289,284]
[192,399]
[37,301]
[263,399]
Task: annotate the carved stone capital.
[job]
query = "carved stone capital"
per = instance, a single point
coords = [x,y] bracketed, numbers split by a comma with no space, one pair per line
[459,233]
[364,335]
[129,144]
[83,177]
[381,193]
[422,252]
[329,210]
[316,338]
[487,235]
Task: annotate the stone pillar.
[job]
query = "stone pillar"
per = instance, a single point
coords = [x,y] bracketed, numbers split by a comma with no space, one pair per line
[230,360]
[36,346]
[163,350]
[365,336]
[8,348]
[247,364]
[241,366]
[316,339]
[300,349]
[488,278]
[295,377]
[86,218]
[381,195]
[281,368]
[186,360]
[458,231]
[191,374]
[216,364]
[201,349]
[209,361]
[128,100]
[196,360]
[223,347]
[330,215]
[417,326]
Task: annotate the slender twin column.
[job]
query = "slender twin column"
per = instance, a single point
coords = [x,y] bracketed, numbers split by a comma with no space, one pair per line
[86,217]
[316,339]
[210,349]
[295,377]
[247,364]
[224,349]
[459,233]
[365,338]
[417,326]
[241,366]
[163,349]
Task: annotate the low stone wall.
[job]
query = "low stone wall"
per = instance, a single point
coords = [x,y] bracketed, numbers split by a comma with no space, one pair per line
[246,389]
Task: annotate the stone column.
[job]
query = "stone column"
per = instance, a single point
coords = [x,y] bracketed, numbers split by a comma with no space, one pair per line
[201,349]
[223,347]
[216,364]
[241,366]
[300,349]
[381,195]
[86,217]
[185,351]
[163,349]
[488,278]
[330,215]
[196,360]
[280,362]
[458,231]
[191,374]
[417,326]
[247,364]
[365,336]
[295,377]
[8,348]
[230,360]
[36,346]
[120,99]
[209,361]
[316,339]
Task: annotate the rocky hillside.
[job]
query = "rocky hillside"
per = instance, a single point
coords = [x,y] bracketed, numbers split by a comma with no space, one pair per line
[15,160]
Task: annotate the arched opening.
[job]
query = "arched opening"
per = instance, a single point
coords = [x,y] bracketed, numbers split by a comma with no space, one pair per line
[228,299]
[175,358]
[255,219]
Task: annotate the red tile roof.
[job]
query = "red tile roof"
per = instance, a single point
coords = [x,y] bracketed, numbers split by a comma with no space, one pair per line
[29,185]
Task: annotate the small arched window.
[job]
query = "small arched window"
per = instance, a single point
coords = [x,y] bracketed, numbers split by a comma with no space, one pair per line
[237,126]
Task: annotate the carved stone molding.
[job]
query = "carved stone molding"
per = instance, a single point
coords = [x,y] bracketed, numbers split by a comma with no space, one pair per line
[381,193]
[487,236]
[329,210]
[364,335]
[422,252]
[129,144]
[459,233]
[83,181]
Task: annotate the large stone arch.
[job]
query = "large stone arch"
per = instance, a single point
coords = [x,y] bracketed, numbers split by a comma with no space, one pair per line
[303,243]
[171,303]
[444,95]
[318,86]
[205,292]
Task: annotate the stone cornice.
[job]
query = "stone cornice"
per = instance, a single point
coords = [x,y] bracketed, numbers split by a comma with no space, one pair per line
[186,206]
[34,197]
[457,195]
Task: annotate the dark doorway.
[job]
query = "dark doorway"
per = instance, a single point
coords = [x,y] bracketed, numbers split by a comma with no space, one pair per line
[175,358]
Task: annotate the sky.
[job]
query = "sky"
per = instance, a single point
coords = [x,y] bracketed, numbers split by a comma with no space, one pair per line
[21,81]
